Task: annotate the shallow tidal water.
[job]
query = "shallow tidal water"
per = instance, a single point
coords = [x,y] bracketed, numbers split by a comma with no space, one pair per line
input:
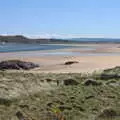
[33,50]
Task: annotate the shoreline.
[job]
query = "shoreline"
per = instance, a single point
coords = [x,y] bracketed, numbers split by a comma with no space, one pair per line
[104,56]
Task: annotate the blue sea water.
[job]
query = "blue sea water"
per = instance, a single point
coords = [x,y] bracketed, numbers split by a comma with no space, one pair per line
[14,47]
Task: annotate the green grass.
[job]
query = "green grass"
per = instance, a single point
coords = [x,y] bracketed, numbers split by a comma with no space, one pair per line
[77,102]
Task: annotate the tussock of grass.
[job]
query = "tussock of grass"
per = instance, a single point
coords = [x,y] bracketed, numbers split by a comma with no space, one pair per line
[75,102]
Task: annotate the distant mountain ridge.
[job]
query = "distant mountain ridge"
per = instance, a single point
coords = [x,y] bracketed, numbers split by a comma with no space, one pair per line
[23,39]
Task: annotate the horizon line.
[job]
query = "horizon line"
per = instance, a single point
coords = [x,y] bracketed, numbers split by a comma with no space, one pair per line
[62,36]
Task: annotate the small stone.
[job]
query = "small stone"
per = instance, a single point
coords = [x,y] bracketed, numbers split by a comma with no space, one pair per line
[70,62]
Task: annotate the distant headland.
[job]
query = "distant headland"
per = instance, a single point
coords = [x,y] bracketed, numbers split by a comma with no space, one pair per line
[23,39]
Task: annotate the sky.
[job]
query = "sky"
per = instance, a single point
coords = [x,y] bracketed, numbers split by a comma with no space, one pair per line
[60,18]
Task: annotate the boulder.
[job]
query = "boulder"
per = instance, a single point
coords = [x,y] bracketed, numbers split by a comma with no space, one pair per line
[105,76]
[17,65]
[113,73]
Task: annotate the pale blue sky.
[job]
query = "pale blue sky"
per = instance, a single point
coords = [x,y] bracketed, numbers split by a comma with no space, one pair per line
[72,18]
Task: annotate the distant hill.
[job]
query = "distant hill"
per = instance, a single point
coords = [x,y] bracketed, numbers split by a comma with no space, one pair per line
[23,39]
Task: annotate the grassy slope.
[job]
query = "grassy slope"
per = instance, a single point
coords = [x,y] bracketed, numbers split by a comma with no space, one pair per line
[76,102]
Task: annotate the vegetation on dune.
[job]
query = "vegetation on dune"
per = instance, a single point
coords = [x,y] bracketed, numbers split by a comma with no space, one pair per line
[72,96]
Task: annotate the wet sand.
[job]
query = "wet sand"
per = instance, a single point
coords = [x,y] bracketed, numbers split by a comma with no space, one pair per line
[102,57]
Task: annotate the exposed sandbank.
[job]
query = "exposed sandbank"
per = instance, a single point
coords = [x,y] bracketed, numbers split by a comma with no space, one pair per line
[106,56]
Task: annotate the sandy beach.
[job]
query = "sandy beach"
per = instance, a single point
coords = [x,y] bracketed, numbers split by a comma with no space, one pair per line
[102,57]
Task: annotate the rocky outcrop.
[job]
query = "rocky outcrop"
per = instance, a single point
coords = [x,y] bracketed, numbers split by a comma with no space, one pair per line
[113,73]
[105,76]
[17,65]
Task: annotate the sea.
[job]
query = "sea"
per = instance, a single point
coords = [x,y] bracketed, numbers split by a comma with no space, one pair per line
[18,47]
[15,47]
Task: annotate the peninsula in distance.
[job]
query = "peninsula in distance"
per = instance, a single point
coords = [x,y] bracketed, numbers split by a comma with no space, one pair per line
[23,39]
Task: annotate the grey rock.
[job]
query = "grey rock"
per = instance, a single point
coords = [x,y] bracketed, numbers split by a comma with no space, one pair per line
[17,65]
[70,62]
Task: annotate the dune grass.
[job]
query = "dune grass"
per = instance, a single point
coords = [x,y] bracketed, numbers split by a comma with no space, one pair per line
[37,95]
